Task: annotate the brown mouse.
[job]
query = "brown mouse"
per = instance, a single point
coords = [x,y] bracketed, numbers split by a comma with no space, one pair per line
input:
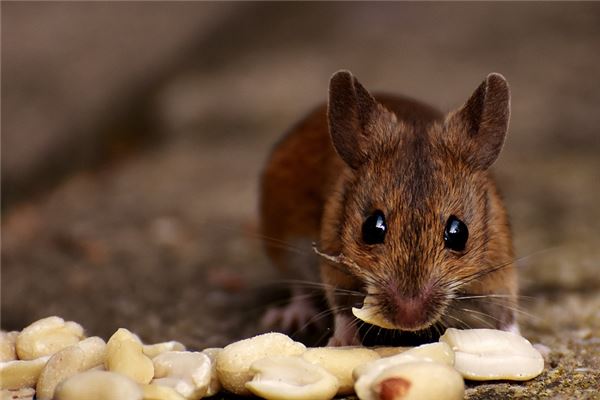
[402,207]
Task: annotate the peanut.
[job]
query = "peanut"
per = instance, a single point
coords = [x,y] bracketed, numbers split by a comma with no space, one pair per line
[389,351]
[214,386]
[233,363]
[47,336]
[340,362]
[124,355]
[152,350]
[159,392]
[19,374]
[98,385]
[434,352]
[8,341]
[60,366]
[417,381]
[366,373]
[18,394]
[369,313]
[489,354]
[187,372]
[94,351]
[291,378]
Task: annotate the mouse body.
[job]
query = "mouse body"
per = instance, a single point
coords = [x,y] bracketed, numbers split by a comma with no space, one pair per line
[403,210]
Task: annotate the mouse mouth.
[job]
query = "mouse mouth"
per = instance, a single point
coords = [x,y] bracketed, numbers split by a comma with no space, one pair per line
[373,335]
[398,312]
[376,330]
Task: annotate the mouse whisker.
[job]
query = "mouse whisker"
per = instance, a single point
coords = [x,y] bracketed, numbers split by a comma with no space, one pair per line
[343,260]
[326,332]
[511,307]
[488,315]
[318,285]
[379,330]
[481,273]
[357,324]
[283,301]
[439,328]
[287,247]
[487,296]
[487,323]
[267,240]
[452,271]
[455,269]
[458,320]
[462,281]
[370,328]
[316,318]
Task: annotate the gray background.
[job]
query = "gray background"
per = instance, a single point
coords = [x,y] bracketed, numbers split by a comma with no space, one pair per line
[133,135]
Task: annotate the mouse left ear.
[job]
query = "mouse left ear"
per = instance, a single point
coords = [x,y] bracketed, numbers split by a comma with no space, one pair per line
[357,122]
[477,130]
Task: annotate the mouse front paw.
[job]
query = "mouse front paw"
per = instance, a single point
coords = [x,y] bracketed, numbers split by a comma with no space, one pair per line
[345,333]
[296,316]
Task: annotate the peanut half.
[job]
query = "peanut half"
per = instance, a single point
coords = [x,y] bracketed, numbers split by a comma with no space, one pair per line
[60,366]
[187,372]
[47,336]
[233,363]
[420,380]
[365,374]
[214,386]
[18,374]
[291,378]
[98,385]
[390,351]
[8,341]
[18,394]
[340,362]
[152,350]
[370,314]
[124,355]
[94,352]
[489,354]
[159,392]
[88,353]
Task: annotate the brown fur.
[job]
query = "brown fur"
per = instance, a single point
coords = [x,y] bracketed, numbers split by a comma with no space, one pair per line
[332,170]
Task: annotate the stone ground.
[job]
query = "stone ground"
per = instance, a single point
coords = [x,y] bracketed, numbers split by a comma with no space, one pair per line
[159,233]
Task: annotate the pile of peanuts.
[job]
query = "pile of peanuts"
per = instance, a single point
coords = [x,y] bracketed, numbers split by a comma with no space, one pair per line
[52,359]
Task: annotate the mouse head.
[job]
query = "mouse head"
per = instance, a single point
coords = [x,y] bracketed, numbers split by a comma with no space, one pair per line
[419,212]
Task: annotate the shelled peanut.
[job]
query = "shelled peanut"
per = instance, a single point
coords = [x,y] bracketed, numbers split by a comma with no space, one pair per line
[52,359]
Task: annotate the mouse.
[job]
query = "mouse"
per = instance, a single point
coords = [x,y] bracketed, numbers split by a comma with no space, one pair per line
[404,214]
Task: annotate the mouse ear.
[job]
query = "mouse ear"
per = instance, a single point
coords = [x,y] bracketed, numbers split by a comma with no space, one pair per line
[483,120]
[355,118]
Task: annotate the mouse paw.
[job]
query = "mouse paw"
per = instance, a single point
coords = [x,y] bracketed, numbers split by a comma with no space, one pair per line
[299,314]
[345,333]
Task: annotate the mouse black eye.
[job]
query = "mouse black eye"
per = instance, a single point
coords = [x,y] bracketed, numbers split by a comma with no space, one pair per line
[374,228]
[455,234]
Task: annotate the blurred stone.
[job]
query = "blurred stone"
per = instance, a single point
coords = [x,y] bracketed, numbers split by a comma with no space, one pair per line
[68,67]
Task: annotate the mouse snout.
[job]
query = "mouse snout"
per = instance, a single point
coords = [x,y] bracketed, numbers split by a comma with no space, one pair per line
[412,312]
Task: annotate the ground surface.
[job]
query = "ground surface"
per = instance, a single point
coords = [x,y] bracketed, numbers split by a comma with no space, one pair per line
[163,240]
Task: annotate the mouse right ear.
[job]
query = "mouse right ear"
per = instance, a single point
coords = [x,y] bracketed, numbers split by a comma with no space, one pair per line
[356,120]
[477,130]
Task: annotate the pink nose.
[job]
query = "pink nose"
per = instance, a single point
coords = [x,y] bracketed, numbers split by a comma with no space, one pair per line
[410,313]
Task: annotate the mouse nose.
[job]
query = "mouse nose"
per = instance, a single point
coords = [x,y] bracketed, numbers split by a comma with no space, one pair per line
[410,313]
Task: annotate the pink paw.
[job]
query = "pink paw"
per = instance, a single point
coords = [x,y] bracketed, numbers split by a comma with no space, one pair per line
[296,316]
[345,333]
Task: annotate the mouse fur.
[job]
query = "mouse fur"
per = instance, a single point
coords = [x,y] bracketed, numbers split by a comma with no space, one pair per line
[360,153]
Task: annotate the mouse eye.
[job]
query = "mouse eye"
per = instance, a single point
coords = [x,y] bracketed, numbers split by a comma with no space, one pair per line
[455,234]
[374,228]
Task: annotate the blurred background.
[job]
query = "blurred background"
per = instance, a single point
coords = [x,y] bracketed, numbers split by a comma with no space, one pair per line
[133,136]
